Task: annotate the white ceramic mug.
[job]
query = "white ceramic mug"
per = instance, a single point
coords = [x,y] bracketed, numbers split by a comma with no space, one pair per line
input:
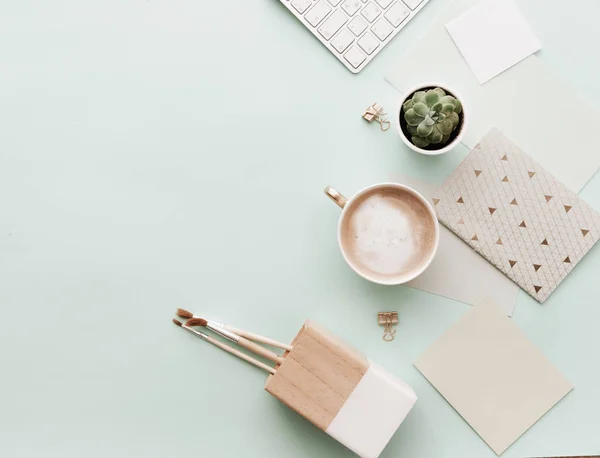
[388,233]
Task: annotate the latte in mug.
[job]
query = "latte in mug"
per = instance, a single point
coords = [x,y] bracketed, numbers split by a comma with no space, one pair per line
[388,233]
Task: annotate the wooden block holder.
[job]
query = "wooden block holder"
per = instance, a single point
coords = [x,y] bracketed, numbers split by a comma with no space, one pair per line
[340,391]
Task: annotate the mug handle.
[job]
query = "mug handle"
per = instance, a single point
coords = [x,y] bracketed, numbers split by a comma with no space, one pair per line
[338,198]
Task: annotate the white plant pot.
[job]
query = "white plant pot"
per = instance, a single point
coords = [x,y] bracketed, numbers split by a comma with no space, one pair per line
[462,127]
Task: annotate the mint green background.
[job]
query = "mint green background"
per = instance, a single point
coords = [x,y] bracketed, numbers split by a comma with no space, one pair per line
[156,154]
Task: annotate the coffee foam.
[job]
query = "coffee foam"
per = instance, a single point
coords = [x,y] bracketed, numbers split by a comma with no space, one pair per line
[388,233]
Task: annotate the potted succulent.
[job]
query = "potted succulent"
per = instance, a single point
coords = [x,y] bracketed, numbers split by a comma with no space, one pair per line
[430,119]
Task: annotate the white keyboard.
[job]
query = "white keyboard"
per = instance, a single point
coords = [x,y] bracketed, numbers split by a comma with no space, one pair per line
[355,30]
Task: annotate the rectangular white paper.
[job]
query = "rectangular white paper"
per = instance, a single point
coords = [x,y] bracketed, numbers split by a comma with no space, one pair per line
[458,272]
[499,103]
[492,37]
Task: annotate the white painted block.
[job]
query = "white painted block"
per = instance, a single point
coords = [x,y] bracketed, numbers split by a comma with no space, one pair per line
[372,413]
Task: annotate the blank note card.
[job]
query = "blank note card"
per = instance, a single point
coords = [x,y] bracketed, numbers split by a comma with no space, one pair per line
[494,377]
[492,37]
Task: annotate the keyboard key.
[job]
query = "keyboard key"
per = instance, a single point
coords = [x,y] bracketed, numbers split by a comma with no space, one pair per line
[334,2]
[355,56]
[412,4]
[368,43]
[342,40]
[382,29]
[332,24]
[384,3]
[370,12]
[396,14]
[317,13]
[351,6]
[357,26]
[301,5]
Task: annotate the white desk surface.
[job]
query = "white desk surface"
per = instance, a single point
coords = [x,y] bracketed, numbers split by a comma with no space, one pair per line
[157,154]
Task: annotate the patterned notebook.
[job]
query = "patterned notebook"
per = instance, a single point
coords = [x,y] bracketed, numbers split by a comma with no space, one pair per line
[517,215]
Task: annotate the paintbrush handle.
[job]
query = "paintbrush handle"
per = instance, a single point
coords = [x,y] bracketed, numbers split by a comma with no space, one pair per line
[259,338]
[262,351]
[239,354]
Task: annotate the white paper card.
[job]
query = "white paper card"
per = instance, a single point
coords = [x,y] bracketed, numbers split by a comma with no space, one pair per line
[496,104]
[492,37]
[494,377]
[476,278]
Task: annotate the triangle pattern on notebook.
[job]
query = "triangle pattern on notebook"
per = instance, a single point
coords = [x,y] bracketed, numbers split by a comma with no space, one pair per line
[517,215]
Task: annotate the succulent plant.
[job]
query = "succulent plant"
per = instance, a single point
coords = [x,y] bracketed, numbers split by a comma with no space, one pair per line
[431,116]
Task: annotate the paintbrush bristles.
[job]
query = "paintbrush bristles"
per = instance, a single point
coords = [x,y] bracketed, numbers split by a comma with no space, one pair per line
[177,322]
[184,313]
[196,322]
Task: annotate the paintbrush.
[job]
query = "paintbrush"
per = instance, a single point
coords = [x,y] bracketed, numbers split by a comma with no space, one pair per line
[225,347]
[240,332]
[233,337]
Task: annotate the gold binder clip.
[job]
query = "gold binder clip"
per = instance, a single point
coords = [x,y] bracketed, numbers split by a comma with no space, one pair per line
[388,320]
[375,113]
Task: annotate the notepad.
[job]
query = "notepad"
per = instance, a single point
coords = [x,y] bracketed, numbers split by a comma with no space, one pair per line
[494,377]
[517,215]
